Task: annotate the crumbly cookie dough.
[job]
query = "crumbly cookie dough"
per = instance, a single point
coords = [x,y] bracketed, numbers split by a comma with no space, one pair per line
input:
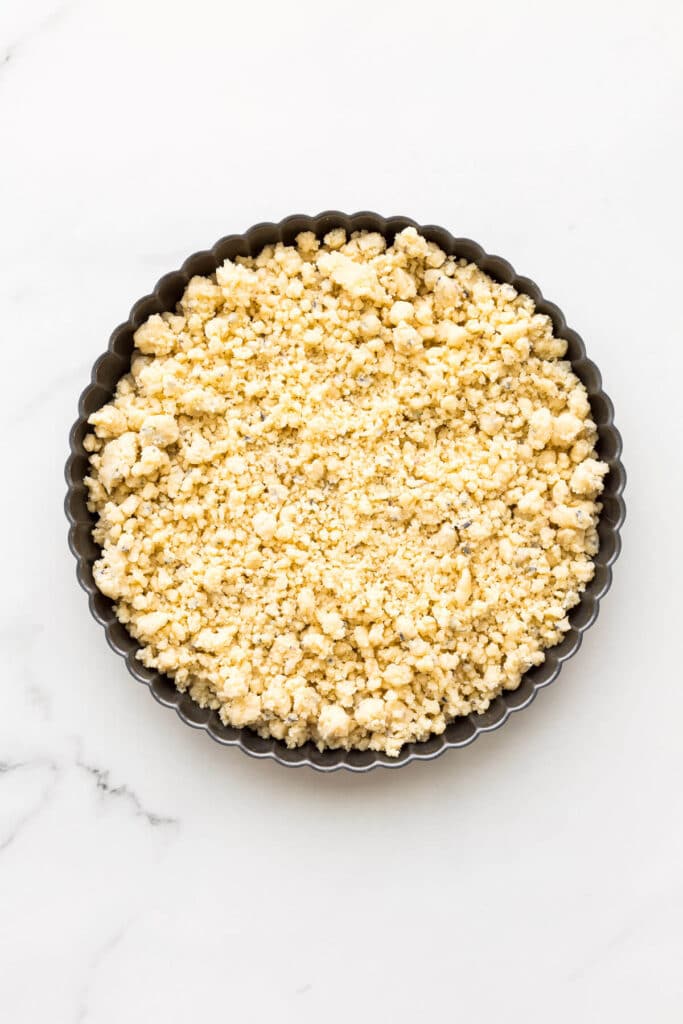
[346,492]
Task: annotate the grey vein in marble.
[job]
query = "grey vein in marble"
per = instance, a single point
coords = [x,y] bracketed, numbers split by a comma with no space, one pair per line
[103,786]
[100,955]
[53,18]
[101,777]
[12,766]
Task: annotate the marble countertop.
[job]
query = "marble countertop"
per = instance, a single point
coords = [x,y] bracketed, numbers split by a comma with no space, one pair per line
[147,874]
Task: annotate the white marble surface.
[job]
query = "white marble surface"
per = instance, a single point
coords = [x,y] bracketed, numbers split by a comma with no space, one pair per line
[147,874]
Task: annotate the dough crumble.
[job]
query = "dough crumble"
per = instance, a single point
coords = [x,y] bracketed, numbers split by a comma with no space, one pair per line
[347,492]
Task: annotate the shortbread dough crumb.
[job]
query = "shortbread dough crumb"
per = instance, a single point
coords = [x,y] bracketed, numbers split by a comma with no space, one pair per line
[346,493]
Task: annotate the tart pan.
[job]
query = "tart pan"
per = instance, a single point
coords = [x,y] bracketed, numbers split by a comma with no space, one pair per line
[115,362]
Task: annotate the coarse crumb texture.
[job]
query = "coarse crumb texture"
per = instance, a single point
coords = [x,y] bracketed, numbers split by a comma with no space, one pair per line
[346,492]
